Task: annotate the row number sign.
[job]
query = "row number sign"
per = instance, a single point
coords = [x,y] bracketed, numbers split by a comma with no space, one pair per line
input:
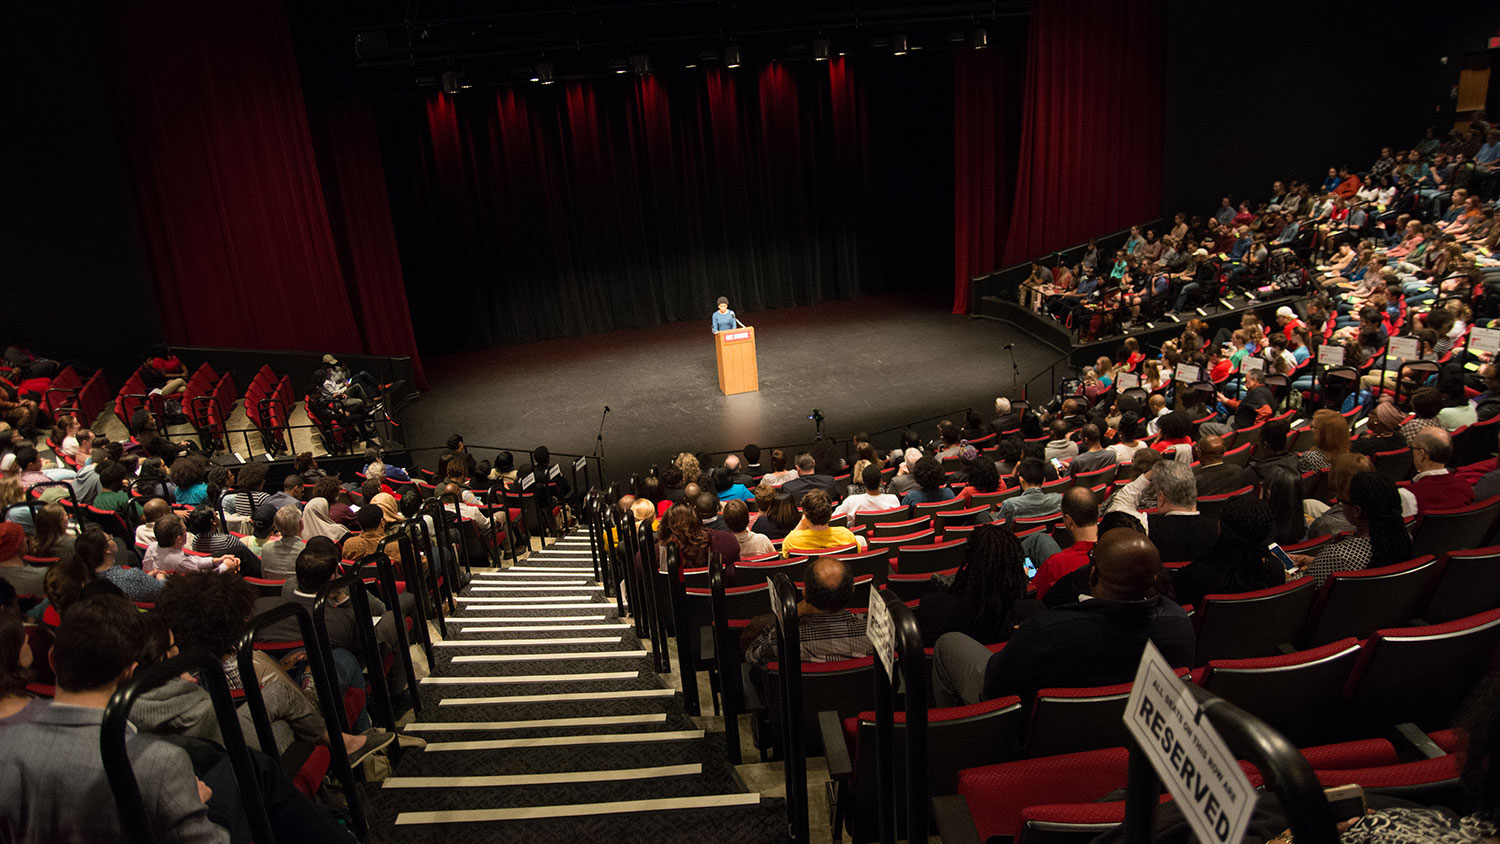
[881,630]
[1189,755]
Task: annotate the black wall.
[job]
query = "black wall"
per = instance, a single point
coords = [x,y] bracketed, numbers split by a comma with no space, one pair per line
[77,283]
[1285,89]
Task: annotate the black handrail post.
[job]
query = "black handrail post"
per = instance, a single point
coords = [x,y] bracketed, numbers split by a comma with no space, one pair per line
[789,662]
[385,712]
[440,571]
[386,577]
[656,622]
[319,662]
[727,655]
[592,503]
[612,550]
[134,821]
[909,656]
[630,542]
[687,664]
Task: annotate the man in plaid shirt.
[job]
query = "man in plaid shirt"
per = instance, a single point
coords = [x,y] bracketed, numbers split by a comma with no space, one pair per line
[828,631]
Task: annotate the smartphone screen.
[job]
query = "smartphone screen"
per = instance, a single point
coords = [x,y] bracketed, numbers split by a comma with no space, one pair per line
[1057,464]
[1284,557]
[1030,568]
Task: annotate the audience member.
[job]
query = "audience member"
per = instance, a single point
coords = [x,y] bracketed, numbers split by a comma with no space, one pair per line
[1238,561]
[1379,539]
[932,483]
[1033,500]
[828,632]
[1092,455]
[737,520]
[1434,486]
[813,532]
[1213,476]
[1090,643]
[27,580]
[987,598]
[1080,513]
[1178,529]
[872,499]
[169,555]
[278,558]
[808,478]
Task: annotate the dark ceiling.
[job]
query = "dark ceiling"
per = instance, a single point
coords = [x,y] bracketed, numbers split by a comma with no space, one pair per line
[387,46]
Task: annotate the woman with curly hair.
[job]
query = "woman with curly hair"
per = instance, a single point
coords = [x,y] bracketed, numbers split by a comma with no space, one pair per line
[211,612]
[684,531]
[987,598]
[1373,506]
[932,483]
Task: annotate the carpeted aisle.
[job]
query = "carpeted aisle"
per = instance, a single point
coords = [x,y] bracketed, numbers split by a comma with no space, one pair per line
[545,723]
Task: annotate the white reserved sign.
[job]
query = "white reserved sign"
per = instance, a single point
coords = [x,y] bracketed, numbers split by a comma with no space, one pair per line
[1331,354]
[1188,754]
[1127,380]
[528,481]
[1187,373]
[1405,348]
[554,470]
[580,463]
[1251,363]
[881,631]
[1484,340]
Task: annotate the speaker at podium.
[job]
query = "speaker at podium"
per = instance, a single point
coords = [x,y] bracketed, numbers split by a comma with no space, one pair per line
[734,351]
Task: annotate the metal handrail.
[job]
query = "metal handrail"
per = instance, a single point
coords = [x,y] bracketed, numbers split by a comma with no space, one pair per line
[794,751]
[134,820]
[385,713]
[909,655]
[320,663]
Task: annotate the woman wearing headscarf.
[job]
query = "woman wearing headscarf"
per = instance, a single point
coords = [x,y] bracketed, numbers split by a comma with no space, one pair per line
[316,521]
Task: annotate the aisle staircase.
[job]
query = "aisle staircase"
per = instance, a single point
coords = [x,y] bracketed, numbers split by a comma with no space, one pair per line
[545,723]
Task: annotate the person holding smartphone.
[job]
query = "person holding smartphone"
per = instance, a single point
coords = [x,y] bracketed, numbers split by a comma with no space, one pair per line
[1240,559]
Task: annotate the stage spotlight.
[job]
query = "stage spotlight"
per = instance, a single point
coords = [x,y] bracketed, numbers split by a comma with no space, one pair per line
[452,81]
[732,55]
[979,38]
[821,49]
[898,44]
[545,73]
[641,64]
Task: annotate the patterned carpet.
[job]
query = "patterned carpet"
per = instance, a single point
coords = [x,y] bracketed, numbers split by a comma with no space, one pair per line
[646,774]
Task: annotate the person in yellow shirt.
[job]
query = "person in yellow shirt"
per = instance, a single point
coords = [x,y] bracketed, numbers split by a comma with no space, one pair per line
[814,533]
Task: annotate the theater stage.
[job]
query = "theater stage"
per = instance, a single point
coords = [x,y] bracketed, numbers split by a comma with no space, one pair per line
[873,363]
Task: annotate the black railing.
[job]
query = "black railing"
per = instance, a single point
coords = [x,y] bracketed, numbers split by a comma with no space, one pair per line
[793,742]
[135,821]
[330,700]
[909,656]
[1003,283]
[384,712]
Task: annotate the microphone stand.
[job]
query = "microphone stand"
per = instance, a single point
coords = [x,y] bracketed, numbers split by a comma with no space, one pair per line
[1015,371]
[599,441]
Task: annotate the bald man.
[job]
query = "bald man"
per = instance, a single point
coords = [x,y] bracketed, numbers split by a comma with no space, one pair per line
[1089,643]
[1434,486]
[828,631]
[1214,476]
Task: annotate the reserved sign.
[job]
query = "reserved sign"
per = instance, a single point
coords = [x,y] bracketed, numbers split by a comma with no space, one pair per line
[1192,759]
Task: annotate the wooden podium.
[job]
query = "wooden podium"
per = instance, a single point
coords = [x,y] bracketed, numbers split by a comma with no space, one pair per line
[735,351]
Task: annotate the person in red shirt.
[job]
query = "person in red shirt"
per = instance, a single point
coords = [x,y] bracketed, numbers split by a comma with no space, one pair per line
[1434,487]
[1287,319]
[1081,516]
[1175,428]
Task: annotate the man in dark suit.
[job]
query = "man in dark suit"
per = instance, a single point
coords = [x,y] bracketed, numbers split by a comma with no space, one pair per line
[1213,475]
[1005,418]
[1434,487]
[808,479]
[1180,532]
[52,783]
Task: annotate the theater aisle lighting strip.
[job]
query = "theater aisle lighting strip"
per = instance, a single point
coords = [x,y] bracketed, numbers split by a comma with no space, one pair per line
[561,777]
[574,810]
[540,723]
[558,698]
[563,741]
[641,654]
[532,678]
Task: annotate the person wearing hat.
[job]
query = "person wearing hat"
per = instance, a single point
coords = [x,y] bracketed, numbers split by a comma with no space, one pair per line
[27,580]
[1287,319]
[723,318]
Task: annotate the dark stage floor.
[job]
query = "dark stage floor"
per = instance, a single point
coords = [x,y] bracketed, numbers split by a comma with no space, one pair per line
[869,364]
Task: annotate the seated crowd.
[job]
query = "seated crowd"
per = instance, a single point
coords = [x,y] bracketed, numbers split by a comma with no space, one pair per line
[146,565]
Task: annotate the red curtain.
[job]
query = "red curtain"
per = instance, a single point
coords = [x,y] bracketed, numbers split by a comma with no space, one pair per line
[232,202]
[986,136]
[1090,160]
[360,213]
